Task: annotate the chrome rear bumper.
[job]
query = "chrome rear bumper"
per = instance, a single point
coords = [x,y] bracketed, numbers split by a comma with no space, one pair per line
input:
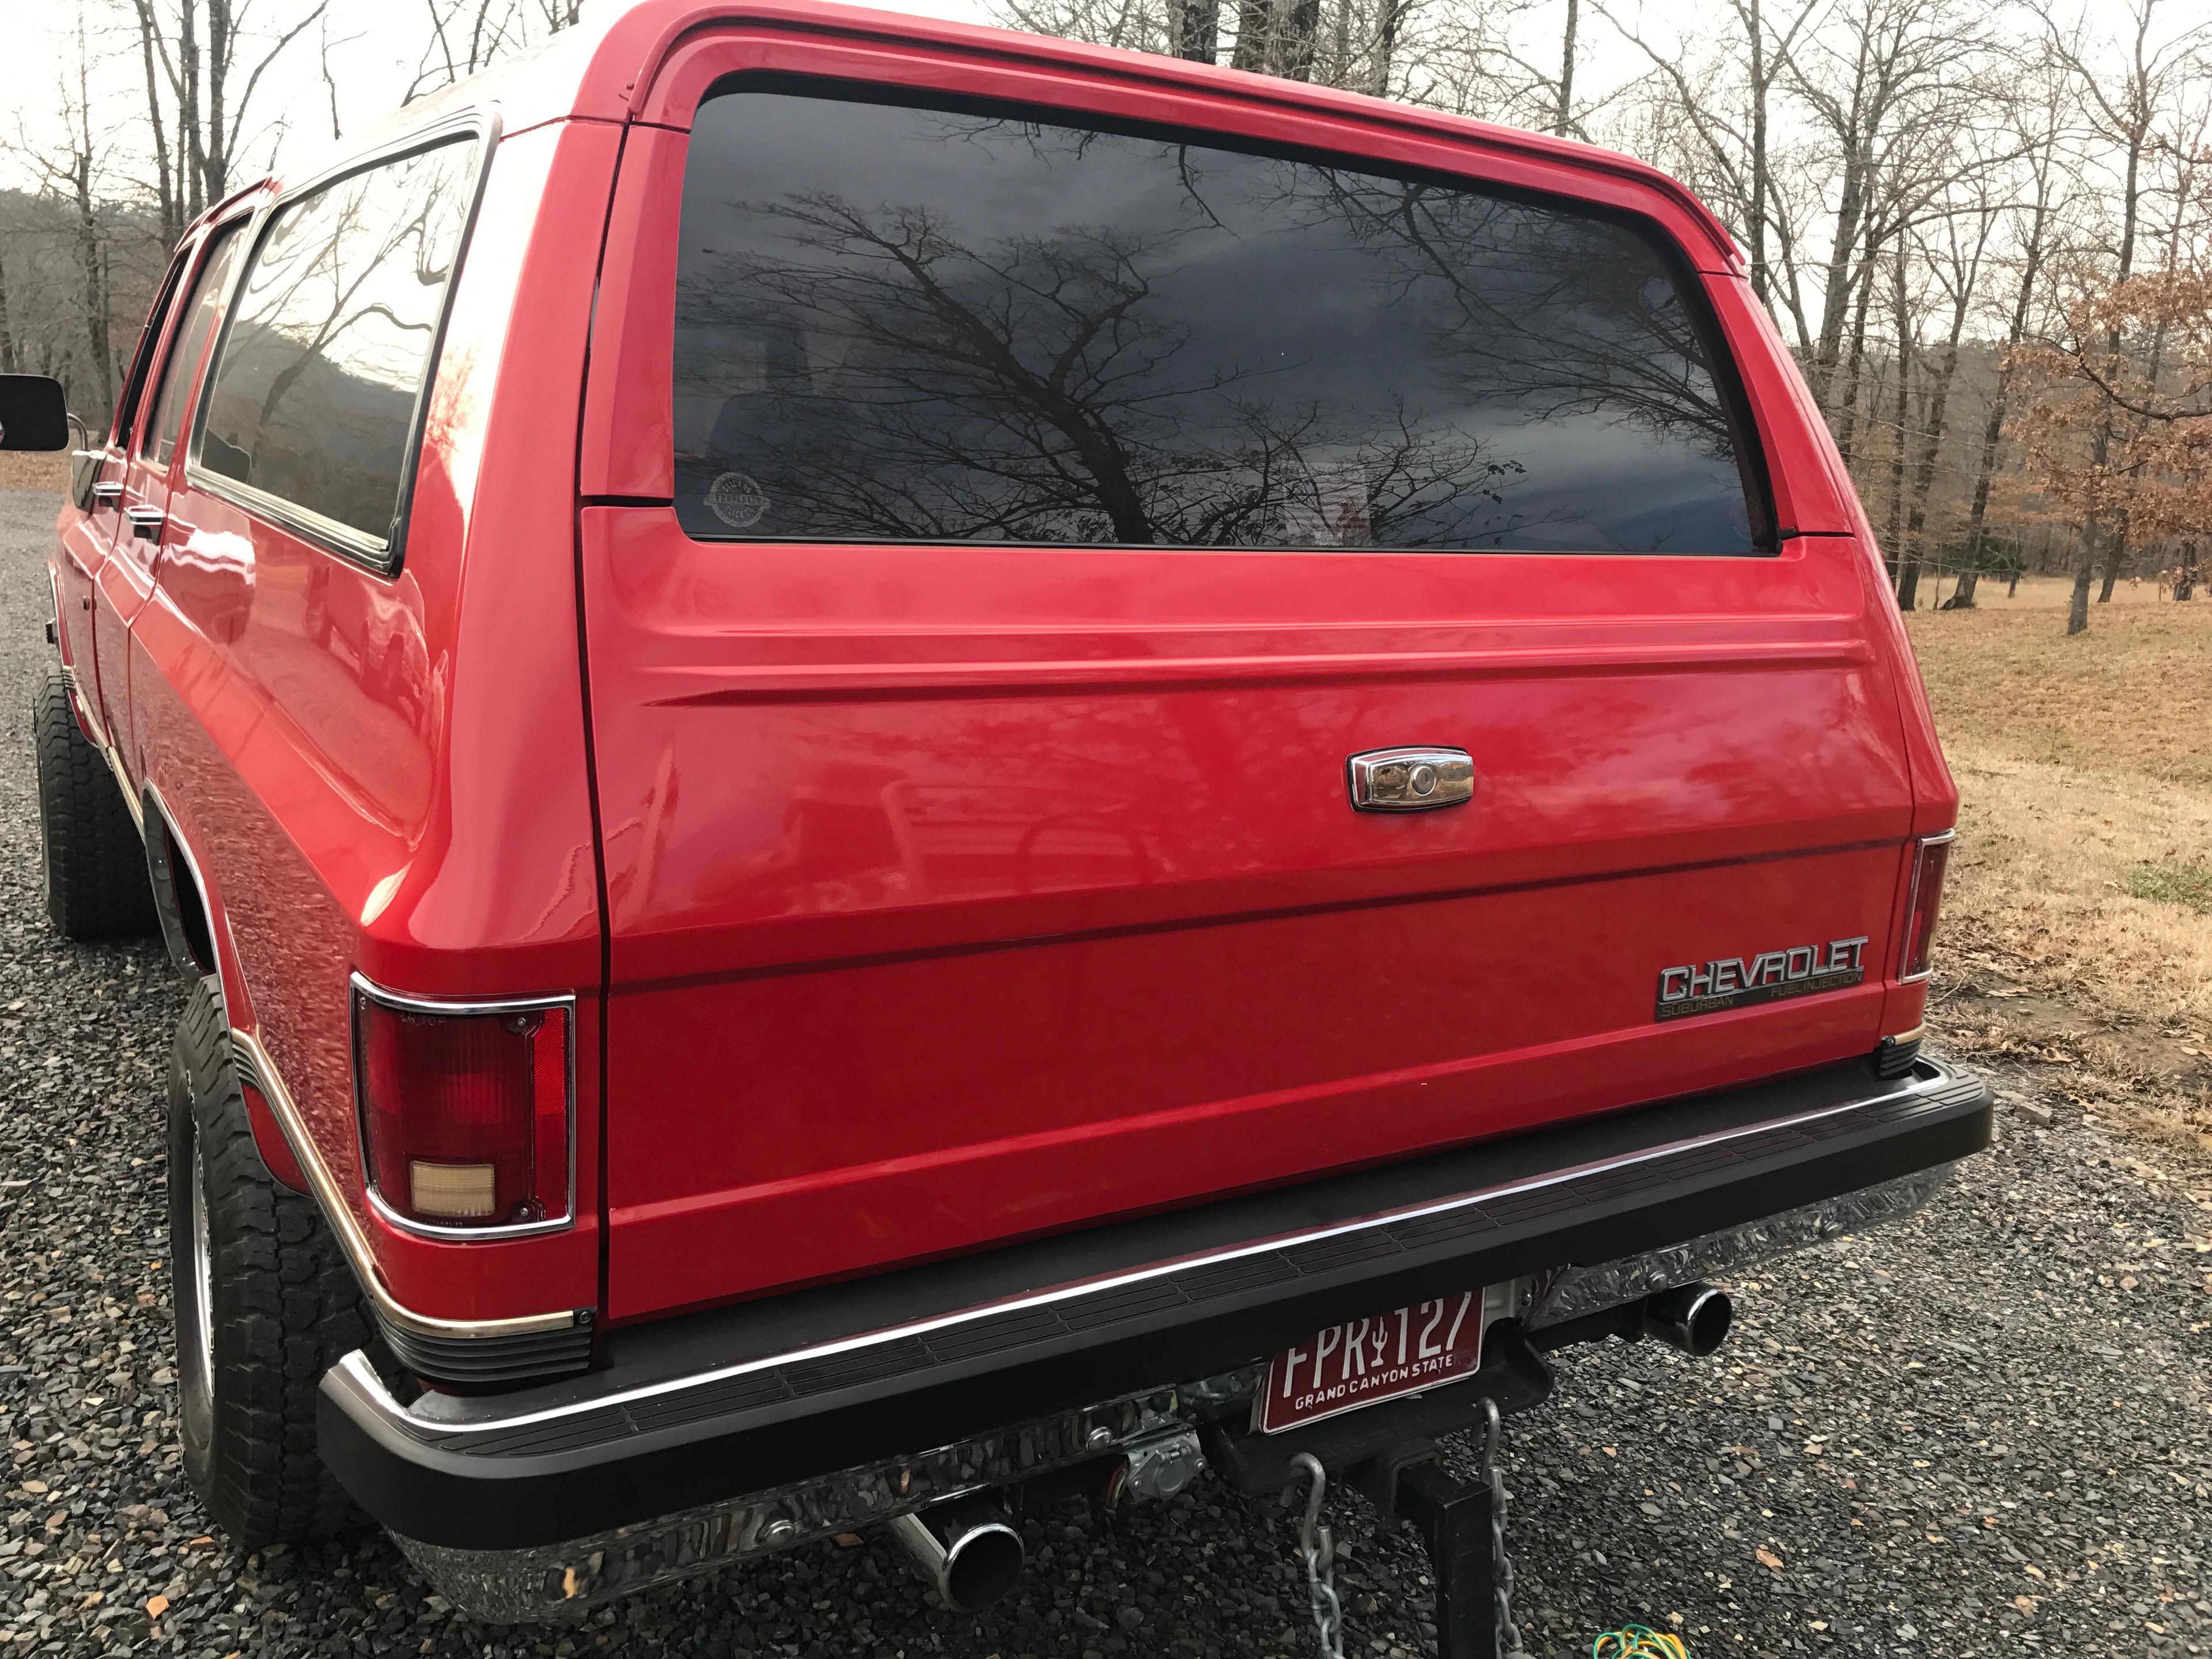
[792,1402]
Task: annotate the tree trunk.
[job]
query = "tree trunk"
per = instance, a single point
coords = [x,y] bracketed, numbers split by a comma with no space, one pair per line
[2077,607]
[1194,29]
[6,332]
[1904,556]
[1563,116]
[1386,30]
[2184,577]
[1993,428]
[1837,288]
[1845,411]
[1299,33]
[1851,208]
[192,137]
[173,223]
[1757,214]
[1254,24]
[1931,444]
[2116,552]
[223,42]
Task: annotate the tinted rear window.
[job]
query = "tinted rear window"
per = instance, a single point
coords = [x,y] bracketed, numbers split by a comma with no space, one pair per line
[921,325]
[312,398]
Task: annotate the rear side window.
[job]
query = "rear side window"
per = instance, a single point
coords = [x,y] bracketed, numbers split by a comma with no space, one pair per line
[906,324]
[313,399]
[191,343]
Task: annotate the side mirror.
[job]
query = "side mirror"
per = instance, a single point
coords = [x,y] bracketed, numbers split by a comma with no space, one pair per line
[34,413]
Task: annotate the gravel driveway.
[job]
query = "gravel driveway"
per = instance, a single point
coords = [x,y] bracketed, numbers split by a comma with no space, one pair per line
[1988,1430]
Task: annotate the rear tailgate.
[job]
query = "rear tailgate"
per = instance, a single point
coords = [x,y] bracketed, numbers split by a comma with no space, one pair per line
[955,909]
[959,890]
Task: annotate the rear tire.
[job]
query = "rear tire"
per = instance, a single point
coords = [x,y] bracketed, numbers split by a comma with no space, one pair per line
[94,862]
[265,1304]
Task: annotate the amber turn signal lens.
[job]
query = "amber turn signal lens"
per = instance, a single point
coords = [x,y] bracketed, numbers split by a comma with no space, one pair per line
[454,1192]
[463,1115]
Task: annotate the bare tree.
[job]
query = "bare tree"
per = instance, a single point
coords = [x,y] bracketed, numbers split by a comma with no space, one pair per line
[2032,229]
[1876,82]
[2124,109]
[1732,152]
[211,56]
[1964,235]
[74,172]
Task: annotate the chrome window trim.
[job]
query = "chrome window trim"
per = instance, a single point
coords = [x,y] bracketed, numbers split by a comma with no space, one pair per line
[408,1420]
[383,555]
[1920,845]
[359,984]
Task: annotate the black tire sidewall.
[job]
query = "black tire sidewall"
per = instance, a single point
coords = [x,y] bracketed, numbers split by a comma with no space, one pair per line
[285,1306]
[92,858]
[196,1406]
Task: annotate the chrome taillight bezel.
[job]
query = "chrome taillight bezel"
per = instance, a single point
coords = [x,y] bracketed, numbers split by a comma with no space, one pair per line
[1906,973]
[360,988]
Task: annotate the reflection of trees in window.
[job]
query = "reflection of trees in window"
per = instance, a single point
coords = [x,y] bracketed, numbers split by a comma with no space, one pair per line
[313,398]
[907,324]
[1546,312]
[912,385]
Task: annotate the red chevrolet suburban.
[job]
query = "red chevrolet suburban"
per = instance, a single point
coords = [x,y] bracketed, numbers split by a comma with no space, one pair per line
[904,768]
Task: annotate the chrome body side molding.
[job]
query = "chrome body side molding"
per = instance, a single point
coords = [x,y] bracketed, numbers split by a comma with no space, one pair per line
[417,1337]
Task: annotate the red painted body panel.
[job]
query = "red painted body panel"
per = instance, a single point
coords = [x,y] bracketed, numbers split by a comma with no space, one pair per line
[949,889]
[953,894]
[388,774]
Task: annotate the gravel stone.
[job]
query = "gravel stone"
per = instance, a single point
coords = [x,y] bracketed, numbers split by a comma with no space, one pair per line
[1987,1430]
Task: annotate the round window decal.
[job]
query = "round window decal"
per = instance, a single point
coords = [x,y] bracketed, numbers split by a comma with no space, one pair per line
[736,500]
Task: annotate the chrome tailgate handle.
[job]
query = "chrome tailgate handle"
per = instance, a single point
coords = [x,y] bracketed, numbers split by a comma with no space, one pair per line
[1414,780]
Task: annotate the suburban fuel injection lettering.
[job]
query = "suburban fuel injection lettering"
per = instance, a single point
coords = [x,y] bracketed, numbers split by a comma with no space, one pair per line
[1705,988]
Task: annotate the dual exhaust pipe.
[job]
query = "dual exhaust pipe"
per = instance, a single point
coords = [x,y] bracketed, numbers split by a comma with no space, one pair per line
[1694,1318]
[966,1547]
[971,1553]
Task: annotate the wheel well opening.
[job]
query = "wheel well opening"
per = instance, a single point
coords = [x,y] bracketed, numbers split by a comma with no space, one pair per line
[177,890]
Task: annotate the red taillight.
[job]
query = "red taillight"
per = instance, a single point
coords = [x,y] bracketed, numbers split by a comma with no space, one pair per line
[463,1115]
[1921,908]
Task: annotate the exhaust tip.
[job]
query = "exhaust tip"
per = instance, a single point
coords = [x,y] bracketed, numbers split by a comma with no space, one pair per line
[1695,1318]
[983,1566]
[966,1548]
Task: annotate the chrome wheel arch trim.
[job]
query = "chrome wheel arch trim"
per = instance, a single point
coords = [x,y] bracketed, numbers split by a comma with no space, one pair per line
[261,1071]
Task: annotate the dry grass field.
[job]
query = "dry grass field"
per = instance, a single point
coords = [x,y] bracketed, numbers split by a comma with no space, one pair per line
[2080,902]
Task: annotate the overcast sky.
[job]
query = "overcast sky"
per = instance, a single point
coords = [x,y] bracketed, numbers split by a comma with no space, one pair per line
[375,47]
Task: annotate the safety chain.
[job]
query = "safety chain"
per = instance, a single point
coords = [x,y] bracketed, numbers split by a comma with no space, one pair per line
[1319,1550]
[1501,1564]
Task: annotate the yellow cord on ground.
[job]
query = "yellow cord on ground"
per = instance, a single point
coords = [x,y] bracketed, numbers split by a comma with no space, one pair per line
[1639,1642]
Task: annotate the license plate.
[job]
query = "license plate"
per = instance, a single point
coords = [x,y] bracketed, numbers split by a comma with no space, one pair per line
[1367,1361]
